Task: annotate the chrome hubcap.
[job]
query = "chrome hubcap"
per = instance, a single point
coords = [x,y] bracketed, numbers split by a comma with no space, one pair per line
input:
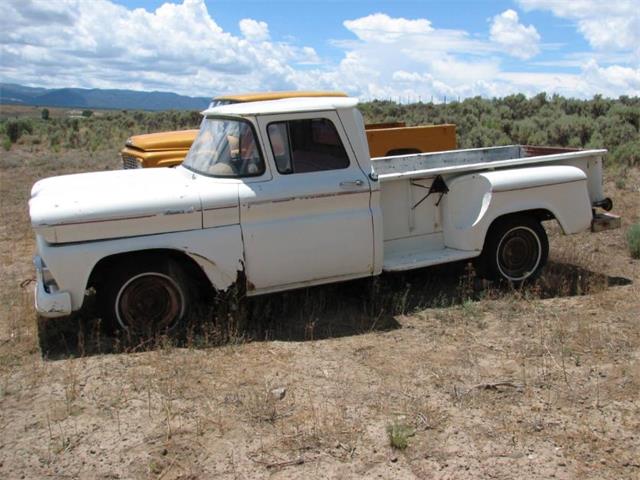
[518,253]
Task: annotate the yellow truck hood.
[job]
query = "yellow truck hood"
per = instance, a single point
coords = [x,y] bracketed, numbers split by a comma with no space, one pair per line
[151,142]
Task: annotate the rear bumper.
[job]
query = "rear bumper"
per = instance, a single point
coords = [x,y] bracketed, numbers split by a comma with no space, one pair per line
[49,301]
[605,221]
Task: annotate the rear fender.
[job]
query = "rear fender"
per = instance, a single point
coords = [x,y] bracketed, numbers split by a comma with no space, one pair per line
[475,201]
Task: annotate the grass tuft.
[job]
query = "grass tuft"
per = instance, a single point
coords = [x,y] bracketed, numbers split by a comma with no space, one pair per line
[399,434]
[633,240]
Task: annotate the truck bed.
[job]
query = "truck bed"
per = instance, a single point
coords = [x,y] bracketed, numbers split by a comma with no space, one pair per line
[413,219]
[426,165]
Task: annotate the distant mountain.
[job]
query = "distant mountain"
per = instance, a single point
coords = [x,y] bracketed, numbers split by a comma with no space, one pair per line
[96,98]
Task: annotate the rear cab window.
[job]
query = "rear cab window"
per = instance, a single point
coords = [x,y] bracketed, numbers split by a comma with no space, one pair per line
[309,145]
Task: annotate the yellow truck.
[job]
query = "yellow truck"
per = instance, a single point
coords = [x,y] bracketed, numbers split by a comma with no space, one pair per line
[168,149]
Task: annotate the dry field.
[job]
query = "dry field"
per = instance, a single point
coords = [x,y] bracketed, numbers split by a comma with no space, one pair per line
[476,381]
[27,111]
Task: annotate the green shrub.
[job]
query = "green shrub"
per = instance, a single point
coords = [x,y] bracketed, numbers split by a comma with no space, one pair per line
[627,154]
[399,434]
[480,122]
[45,114]
[15,129]
[633,239]
[6,143]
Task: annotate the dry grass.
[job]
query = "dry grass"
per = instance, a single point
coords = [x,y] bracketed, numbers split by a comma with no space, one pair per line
[480,381]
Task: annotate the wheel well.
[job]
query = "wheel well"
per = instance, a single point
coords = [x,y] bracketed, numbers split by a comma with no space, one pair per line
[101,270]
[540,214]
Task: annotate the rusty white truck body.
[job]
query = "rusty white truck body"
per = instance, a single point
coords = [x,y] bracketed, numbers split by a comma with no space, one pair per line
[283,194]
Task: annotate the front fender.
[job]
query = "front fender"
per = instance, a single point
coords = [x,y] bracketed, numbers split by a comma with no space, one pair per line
[475,201]
[218,251]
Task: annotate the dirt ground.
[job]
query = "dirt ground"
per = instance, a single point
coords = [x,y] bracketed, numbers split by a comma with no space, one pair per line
[477,380]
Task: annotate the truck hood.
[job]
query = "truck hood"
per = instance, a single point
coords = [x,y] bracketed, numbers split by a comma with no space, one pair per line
[102,205]
[151,142]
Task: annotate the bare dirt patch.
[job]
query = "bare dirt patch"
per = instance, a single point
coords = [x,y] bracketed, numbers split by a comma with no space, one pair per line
[480,381]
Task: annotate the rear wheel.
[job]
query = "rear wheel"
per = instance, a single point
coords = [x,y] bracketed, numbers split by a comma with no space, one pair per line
[147,297]
[515,250]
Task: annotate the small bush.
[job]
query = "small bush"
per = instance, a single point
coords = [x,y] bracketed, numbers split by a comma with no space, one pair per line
[399,434]
[45,114]
[15,129]
[627,154]
[633,239]
[6,143]
[87,113]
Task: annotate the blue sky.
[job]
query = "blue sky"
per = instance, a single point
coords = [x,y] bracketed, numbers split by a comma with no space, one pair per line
[319,23]
[372,49]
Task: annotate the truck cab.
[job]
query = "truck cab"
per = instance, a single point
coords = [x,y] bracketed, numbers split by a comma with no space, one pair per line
[168,149]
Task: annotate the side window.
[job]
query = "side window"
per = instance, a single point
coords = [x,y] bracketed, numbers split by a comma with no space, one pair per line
[279,139]
[301,146]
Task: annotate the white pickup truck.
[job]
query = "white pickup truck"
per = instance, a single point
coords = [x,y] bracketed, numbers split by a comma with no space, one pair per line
[282,194]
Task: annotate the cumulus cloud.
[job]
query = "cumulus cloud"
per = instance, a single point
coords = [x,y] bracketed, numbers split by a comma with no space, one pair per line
[380,27]
[253,30]
[613,79]
[177,47]
[605,25]
[516,39]
[181,48]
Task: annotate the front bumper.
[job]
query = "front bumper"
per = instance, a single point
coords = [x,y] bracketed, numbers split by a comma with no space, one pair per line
[50,302]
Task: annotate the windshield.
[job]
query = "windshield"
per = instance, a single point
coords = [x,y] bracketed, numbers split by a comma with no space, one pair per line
[225,148]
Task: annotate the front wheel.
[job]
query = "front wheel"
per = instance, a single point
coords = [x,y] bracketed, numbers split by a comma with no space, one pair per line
[516,249]
[147,297]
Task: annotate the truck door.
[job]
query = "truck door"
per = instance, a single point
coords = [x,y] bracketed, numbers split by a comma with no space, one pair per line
[312,222]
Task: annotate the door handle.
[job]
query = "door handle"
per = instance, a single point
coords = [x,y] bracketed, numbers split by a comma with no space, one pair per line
[352,183]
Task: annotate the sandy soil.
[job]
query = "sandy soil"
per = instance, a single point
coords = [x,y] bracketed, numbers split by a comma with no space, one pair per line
[480,381]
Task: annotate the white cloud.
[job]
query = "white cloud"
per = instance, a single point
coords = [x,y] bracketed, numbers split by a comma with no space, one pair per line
[409,58]
[417,36]
[613,79]
[253,30]
[515,38]
[606,25]
[180,47]
[593,79]
[380,27]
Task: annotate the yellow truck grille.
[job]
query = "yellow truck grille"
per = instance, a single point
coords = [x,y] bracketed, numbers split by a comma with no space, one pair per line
[130,162]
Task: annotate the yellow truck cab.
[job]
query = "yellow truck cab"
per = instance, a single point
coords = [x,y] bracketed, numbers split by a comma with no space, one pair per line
[168,149]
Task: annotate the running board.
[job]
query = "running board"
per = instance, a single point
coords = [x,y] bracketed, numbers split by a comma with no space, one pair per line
[398,262]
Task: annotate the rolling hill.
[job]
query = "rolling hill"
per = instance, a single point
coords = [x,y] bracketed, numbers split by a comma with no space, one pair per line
[13,94]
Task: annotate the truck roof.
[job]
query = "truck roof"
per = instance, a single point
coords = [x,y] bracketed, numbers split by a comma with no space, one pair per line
[286,105]
[260,96]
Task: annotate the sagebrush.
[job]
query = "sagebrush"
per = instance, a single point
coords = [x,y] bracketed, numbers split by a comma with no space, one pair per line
[633,239]
[515,119]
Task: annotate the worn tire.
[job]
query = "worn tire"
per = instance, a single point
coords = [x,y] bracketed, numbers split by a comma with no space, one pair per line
[515,251]
[148,296]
